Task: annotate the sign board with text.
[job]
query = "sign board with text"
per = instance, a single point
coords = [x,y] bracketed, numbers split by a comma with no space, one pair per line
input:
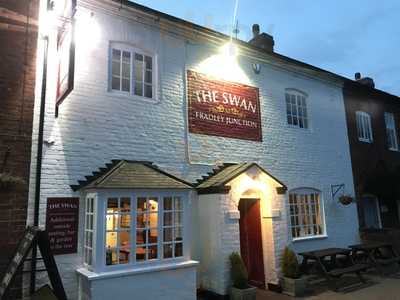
[62,219]
[222,108]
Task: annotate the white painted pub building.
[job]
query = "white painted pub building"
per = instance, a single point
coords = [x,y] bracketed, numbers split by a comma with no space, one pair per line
[175,147]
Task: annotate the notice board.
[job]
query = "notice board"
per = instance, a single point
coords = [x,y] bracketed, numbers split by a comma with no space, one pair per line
[62,218]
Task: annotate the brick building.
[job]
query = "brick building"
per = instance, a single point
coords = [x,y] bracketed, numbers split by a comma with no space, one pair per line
[18,39]
[373,125]
[168,120]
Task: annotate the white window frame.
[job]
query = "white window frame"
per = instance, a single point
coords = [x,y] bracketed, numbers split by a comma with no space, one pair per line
[100,251]
[391,132]
[89,245]
[364,127]
[294,112]
[305,191]
[132,50]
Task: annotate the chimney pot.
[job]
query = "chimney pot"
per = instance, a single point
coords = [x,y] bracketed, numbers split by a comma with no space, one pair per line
[357,76]
[256,30]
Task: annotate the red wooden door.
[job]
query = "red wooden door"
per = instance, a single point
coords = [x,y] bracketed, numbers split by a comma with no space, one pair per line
[251,240]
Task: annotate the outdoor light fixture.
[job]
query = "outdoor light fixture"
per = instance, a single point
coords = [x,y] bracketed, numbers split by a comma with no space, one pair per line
[256,68]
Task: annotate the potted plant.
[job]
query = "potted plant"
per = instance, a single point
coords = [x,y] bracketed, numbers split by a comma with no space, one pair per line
[240,289]
[292,283]
[8,181]
[345,199]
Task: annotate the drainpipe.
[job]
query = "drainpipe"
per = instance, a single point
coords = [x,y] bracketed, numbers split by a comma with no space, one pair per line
[39,162]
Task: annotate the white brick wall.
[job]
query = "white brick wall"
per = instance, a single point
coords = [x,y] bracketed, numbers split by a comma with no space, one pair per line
[95,126]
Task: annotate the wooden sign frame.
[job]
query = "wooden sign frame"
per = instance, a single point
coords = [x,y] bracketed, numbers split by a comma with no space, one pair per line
[32,235]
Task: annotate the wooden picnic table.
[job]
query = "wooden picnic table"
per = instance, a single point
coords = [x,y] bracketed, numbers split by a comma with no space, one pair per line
[376,254]
[331,269]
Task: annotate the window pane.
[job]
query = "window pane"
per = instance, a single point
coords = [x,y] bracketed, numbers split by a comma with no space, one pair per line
[148,77]
[126,71]
[112,205]
[148,91]
[138,88]
[153,204]
[178,249]
[140,253]
[126,57]
[116,68]
[153,236]
[152,252]
[168,234]
[178,218]
[167,250]
[139,67]
[168,219]
[178,203]
[115,83]
[168,203]
[111,257]
[149,62]
[141,237]
[125,85]
[141,204]
[112,222]
[178,234]
[116,55]
[111,239]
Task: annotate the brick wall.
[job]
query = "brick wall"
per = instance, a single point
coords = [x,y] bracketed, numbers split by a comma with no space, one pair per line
[17,81]
[380,175]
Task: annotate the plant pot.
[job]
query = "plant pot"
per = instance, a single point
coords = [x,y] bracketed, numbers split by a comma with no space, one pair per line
[243,294]
[345,200]
[293,287]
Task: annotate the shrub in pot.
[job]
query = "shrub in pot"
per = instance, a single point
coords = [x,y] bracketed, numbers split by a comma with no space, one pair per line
[240,289]
[292,283]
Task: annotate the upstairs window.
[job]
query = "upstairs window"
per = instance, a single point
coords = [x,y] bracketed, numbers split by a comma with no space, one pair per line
[391,133]
[132,71]
[296,109]
[364,129]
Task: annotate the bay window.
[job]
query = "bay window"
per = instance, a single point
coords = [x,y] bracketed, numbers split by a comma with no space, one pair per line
[136,228]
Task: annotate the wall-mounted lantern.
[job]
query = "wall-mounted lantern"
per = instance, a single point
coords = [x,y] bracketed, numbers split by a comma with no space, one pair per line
[256,68]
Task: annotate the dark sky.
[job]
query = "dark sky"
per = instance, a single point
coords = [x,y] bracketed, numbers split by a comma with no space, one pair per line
[342,36]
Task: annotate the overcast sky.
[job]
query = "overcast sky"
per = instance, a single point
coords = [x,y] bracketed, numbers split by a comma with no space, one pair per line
[342,36]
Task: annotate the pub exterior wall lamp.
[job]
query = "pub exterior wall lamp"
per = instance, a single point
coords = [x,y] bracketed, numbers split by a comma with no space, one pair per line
[256,68]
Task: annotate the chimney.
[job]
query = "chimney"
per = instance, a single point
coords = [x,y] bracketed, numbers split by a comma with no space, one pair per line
[368,81]
[263,41]
[256,30]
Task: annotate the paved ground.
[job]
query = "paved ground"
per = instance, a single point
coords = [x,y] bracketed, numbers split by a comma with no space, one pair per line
[377,288]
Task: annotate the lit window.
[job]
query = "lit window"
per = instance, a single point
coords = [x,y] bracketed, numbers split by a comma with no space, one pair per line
[147,229]
[89,231]
[172,227]
[296,109]
[132,71]
[306,213]
[364,129]
[118,225]
[156,228]
[391,131]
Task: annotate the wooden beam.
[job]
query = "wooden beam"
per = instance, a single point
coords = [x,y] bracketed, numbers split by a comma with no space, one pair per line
[17,17]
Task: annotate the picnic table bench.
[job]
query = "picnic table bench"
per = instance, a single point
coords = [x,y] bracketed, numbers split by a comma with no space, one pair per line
[377,255]
[332,270]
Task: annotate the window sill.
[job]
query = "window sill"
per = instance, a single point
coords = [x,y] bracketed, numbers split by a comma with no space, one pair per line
[365,141]
[293,127]
[393,150]
[135,270]
[307,238]
[124,95]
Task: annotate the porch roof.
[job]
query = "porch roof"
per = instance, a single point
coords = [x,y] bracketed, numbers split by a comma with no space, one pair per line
[216,181]
[125,174]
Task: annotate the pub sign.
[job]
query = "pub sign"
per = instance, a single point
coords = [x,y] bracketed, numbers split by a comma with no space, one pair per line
[223,108]
[62,217]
